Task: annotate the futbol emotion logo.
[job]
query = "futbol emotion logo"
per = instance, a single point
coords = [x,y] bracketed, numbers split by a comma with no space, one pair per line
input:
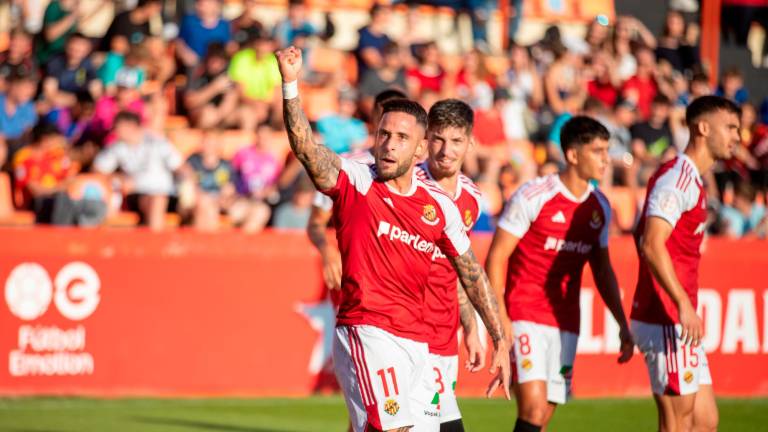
[75,291]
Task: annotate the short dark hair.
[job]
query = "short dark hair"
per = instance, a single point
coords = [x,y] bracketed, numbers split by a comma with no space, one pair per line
[451,113]
[42,130]
[709,104]
[661,99]
[388,95]
[127,116]
[406,106]
[581,130]
[143,3]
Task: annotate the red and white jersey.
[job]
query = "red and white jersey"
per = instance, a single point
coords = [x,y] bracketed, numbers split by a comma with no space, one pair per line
[322,201]
[388,242]
[557,232]
[675,194]
[441,306]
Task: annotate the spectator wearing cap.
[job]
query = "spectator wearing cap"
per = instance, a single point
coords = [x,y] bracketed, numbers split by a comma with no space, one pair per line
[295,24]
[42,170]
[18,113]
[201,29]
[254,70]
[72,72]
[17,59]
[212,98]
[60,21]
[131,27]
[372,39]
[343,132]
[148,163]
[427,74]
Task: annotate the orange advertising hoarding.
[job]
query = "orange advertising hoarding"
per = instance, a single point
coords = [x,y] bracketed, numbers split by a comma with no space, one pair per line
[111,312]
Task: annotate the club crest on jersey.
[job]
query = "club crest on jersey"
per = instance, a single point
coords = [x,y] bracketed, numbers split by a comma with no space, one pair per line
[596,221]
[391,407]
[688,377]
[468,219]
[429,215]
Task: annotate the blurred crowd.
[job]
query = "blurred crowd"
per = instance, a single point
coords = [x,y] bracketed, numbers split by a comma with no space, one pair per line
[184,127]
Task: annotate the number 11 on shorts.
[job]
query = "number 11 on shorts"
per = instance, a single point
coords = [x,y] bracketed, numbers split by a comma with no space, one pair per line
[382,374]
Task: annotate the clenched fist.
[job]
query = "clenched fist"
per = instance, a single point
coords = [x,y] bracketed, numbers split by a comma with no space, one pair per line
[289,60]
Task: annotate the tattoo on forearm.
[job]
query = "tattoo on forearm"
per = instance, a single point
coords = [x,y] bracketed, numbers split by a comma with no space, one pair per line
[466,311]
[316,233]
[321,163]
[479,292]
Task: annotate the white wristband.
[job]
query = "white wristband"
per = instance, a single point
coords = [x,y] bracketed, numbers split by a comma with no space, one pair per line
[291,89]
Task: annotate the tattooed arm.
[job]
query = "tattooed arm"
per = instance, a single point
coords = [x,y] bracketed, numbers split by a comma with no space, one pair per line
[480,294]
[317,228]
[475,350]
[466,312]
[321,163]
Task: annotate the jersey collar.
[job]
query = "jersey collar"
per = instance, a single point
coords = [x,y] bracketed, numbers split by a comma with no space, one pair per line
[568,194]
[425,167]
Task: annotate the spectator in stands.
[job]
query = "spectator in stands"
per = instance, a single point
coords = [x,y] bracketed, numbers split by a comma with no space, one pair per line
[127,98]
[246,25]
[526,94]
[475,84]
[131,67]
[60,21]
[643,86]
[42,171]
[652,138]
[697,86]
[294,214]
[71,73]
[211,98]
[489,133]
[598,34]
[428,74]
[629,31]
[678,44]
[618,121]
[132,26]
[295,24]
[604,85]
[745,216]
[256,174]
[391,74]
[148,163]
[159,65]
[18,114]
[17,59]
[342,132]
[254,69]
[736,19]
[212,181]
[564,83]
[732,86]
[201,29]
[372,39]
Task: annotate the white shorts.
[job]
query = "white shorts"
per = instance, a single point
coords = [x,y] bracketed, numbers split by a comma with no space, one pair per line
[674,369]
[544,353]
[445,373]
[384,379]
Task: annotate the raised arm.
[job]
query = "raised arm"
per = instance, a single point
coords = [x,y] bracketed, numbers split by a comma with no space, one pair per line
[321,163]
[480,294]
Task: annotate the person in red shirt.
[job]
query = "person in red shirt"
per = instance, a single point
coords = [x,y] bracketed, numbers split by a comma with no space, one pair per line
[391,226]
[551,227]
[643,86]
[668,237]
[42,171]
[428,74]
[449,139]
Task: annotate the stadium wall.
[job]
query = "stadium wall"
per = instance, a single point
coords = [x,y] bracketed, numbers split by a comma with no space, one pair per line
[117,313]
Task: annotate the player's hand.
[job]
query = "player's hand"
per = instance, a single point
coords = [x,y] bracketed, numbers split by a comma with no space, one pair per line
[692,331]
[289,61]
[475,352]
[332,269]
[500,367]
[627,345]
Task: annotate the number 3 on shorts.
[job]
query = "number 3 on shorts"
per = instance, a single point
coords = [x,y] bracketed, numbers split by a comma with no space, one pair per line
[382,373]
[439,380]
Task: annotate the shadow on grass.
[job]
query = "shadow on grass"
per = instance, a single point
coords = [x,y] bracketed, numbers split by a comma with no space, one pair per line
[196,424]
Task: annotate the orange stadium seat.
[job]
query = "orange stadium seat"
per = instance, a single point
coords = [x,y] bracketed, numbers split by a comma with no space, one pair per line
[326,60]
[8,214]
[186,141]
[320,101]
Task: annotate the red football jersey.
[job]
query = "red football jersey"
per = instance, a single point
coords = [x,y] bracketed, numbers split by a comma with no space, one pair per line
[388,243]
[441,306]
[557,232]
[675,194]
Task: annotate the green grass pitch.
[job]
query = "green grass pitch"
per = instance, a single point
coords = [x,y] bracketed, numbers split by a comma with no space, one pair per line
[326,414]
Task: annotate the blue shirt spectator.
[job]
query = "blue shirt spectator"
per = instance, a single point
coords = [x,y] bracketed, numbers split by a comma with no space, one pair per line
[341,133]
[197,36]
[17,111]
